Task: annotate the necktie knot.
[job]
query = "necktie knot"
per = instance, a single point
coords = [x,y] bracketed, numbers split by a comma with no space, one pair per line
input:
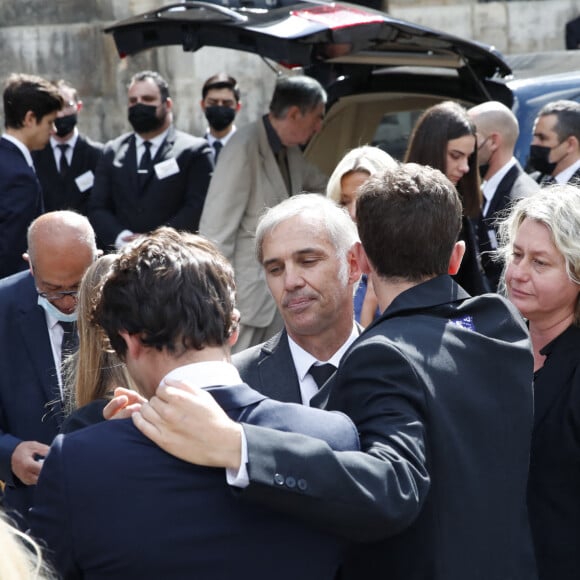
[321,373]
[63,163]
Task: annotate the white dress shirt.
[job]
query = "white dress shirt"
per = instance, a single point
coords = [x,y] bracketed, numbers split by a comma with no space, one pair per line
[489,187]
[565,176]
[56,151]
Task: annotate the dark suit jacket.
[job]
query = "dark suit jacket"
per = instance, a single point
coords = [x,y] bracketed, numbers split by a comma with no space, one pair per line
[515,184]
[64,193]
[269,368]
[20,203]
[30,406]
[111,504]
[553,497]
[441,486]
[118,202]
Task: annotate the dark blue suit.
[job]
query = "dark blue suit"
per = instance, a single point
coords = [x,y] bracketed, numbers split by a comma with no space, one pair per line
[30,407]
[20,203]
[111,504]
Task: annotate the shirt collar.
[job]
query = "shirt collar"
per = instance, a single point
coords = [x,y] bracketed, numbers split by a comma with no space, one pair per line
[491,184]
[155,141]
[211,139]
[21,146]
[206,374]
[566,175]
[303,360]
[70,142]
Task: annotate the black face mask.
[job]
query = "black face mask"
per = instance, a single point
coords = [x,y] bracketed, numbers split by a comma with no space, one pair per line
[64,125]
[219,117]
[144,119]
[539,159]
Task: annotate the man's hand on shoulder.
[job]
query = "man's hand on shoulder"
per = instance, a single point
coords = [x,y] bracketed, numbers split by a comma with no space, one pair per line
[26,461]
[188,423]
[123,404]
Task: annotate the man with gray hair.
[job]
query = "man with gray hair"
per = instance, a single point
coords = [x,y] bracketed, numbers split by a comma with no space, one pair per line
[555,149]
[504,180]
[37,309]
[261,166]
[306,247]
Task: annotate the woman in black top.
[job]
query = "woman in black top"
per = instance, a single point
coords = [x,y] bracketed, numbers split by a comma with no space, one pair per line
[444,138]
[541,244]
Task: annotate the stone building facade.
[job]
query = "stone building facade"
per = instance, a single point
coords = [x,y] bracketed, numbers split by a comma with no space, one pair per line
[65,39]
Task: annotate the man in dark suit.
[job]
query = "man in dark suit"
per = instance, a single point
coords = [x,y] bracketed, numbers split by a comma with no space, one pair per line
[66,166]
[30,107]
[309,242]
[439,487]
[555,148]
[504,180]
[154,176]
[168,309]
[37,308]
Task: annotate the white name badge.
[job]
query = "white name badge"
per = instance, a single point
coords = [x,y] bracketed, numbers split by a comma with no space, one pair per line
[166,168]
[85,181]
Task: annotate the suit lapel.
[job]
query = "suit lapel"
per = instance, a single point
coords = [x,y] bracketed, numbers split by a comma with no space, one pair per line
[162,153]
[278,190]
[37,342]
[277,365]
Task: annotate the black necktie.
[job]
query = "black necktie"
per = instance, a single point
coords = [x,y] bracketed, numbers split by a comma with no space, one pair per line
[70,339]
[63,165]
[217,145]
[145,163]
[321,373]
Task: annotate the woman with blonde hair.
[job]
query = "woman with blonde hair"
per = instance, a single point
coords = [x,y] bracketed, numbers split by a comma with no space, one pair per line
[20,556]
[540,242]
[351,172]
[92,373]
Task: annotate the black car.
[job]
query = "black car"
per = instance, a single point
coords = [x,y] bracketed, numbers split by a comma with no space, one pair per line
[380,72]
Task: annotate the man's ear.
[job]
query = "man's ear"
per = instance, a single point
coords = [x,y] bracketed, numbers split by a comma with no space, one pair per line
[79,106]
[456,257]
[362,259]
[169,104]
[233,337]
[354,269]
[238,106]
[293,113]
[133,342]
[29,119]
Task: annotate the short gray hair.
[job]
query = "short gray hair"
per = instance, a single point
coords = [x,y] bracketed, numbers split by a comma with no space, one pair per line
[299,91]
[558,208]
[334,220]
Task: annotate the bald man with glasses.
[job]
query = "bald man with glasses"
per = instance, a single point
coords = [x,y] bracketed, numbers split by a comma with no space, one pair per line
[37,309]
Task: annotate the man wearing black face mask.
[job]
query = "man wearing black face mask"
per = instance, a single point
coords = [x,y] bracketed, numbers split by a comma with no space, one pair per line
[503,179]
[220,102]
[66,166]
[152,177]
[555,149]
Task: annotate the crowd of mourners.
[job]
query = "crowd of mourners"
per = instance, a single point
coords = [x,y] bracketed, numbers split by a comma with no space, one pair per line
[219,362]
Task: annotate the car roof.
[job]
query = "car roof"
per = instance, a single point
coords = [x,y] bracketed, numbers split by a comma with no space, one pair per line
[308,33]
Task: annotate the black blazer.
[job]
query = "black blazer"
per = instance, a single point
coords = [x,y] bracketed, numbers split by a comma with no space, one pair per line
[573,34]
[176,520]
[30,404]
[118,202]
[440,488]
[64,193]
[553,489]
[20,204]
[515,183]
[269,368]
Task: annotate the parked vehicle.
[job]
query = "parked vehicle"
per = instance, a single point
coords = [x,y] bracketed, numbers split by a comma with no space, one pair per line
[380,72]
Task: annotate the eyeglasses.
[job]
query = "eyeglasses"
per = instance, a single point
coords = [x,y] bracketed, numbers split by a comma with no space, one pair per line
[53,296]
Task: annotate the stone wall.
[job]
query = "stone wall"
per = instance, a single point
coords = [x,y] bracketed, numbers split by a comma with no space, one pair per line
[65,39]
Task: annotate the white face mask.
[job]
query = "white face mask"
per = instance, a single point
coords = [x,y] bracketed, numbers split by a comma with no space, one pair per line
[55,312]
